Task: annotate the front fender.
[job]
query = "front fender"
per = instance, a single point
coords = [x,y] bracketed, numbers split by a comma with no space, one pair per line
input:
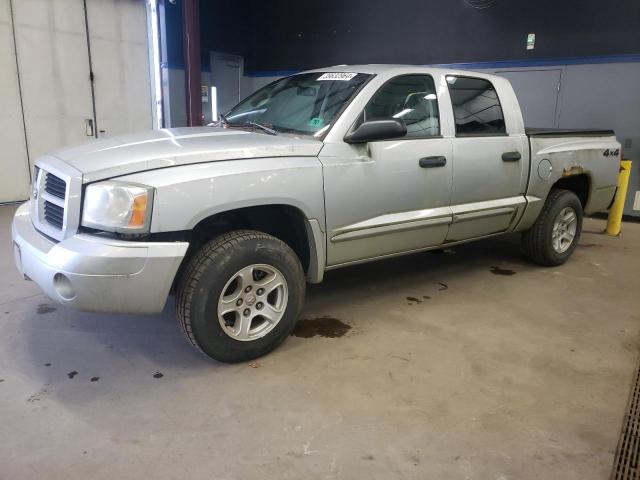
[186,195]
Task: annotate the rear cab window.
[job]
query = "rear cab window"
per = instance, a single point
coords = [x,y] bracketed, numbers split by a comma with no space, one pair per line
[476,107]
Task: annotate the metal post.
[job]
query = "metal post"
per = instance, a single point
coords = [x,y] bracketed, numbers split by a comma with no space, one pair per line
[614,222]
[155,69]
[191,14]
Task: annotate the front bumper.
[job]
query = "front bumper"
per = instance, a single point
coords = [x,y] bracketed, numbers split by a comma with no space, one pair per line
[90,273]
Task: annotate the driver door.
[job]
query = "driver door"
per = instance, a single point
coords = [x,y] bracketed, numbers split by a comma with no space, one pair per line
[391,196]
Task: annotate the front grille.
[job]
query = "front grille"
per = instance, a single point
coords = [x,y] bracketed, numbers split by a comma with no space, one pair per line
[53,214]
[55,186]
[55,198]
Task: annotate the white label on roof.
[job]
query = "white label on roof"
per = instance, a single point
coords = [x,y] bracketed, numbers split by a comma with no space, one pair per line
[343,76]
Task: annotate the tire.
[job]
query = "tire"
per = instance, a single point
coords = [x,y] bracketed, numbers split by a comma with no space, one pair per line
[230,264]
[538,241]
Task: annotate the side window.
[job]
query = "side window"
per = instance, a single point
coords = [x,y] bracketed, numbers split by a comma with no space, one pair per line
[476,107]
[410,98]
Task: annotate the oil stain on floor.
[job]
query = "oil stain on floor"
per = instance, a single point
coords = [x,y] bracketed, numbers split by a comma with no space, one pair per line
[325,326]
[45,308]
[502,271]
[590,245]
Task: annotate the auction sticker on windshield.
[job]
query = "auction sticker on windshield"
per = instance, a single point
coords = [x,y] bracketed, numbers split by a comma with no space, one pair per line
[344,76]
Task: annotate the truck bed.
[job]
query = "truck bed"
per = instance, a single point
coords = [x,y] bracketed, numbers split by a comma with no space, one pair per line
[566,132]
[588,157]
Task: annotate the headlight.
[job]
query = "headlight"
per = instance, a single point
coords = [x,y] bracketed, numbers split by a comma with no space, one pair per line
[117,207]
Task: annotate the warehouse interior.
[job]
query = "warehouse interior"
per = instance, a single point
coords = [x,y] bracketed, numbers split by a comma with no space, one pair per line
[466,361]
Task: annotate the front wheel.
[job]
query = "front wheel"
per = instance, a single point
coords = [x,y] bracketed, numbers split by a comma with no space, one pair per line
[240,295]
[554,236]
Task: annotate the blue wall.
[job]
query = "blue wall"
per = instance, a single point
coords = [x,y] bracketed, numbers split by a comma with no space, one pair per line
[223,28]
[283,35]
[172,30]
[292,35]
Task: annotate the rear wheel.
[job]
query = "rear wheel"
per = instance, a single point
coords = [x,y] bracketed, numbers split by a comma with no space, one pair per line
[240,295]
[554,236]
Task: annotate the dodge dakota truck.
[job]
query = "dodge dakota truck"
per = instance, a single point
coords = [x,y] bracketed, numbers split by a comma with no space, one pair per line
[313,172]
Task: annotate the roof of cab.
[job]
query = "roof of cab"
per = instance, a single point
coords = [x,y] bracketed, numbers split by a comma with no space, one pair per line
[392,70]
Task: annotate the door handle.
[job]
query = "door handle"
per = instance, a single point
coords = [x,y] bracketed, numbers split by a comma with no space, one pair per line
[511,156]
[432,162]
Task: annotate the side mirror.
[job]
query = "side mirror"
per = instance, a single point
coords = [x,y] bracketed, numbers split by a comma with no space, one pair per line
[377,130]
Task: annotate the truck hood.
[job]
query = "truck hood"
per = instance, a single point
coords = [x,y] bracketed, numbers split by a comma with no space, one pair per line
[126,154]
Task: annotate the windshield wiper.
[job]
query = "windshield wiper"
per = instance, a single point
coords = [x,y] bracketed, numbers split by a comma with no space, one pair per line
[226,123]
[223,121]
[264,128]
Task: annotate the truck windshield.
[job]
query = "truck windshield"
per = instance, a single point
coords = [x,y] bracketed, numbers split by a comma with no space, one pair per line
[304,104]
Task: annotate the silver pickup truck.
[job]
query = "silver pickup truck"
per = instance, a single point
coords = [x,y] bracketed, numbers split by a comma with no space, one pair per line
[316,171]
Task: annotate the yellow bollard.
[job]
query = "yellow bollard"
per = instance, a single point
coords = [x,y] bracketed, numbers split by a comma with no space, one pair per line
[614,222]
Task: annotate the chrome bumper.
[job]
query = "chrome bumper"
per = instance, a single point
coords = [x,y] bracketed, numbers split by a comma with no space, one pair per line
[95,274]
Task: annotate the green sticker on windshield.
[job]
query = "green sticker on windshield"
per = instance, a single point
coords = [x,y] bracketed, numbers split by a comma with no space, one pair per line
[316,122]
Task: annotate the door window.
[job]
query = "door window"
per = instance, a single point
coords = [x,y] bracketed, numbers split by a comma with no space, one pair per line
[410,98]
[476,107]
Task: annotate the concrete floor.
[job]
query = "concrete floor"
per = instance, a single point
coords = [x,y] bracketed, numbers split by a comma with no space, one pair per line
[494,376]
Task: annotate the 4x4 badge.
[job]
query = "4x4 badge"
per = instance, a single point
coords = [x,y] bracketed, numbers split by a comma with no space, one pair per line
[611,152]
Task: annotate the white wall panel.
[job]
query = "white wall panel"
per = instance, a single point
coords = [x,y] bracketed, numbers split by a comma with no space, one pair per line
[54,72]
[46,99]
[120,59]
[14,164]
